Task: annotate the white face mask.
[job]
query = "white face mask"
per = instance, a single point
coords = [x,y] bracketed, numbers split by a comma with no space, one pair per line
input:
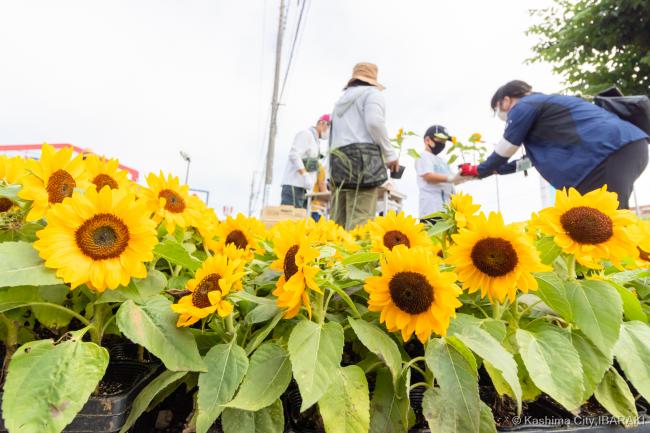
[503,115]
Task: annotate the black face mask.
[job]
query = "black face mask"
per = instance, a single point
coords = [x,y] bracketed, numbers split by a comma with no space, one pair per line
[437,148]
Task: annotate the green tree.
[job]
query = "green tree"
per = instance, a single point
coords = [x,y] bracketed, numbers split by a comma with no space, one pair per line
[596,43]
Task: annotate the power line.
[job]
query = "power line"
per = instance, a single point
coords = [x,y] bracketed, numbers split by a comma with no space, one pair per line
[293,45]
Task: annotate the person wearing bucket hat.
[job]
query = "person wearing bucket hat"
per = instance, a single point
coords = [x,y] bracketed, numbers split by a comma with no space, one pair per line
[434,177]
[302,168]
[360,148]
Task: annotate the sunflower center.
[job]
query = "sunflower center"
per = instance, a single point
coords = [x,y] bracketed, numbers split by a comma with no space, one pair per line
[173,202]
[238,238]
[494,256]
[411,292]
[208,284]
[290,267]
[59,186]
[5,204]
[587,225]
[104,236]
[393,238]
[101,180]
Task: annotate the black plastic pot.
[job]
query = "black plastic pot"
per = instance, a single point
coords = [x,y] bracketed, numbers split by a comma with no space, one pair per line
[107,413]
[398,174]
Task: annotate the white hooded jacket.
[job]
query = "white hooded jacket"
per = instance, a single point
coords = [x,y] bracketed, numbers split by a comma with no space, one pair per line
[360,117]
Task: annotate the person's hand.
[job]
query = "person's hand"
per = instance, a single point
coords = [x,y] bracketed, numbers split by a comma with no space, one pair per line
[308,182]
[393,165]
[302,171]
[458,178]
[468,169]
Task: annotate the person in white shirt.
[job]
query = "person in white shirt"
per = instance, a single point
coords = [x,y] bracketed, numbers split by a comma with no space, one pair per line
[435,179]
[302,168]
[360,149]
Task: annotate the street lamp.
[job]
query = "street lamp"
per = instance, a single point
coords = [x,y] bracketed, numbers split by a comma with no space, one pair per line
[187,159]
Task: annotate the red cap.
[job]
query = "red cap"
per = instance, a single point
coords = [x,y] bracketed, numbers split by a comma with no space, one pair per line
[325,118]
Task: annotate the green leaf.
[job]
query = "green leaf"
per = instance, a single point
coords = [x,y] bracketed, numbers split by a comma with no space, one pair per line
[267,378]
[260,335]
[48,384]
[153,325]
[138,290]
[490,349]
[148,393]
[451,159]
[227,364]
[633,355]
[487,420]
[315,351]
[345,406]
[594,306]
[614,394]
[632,309]
[361,258]
[175,253]
[262,313]
[552,362]
[548,249]
[51,317]
[21,266]
[598,311]
[413,153]
[245,296]
[551,290]
[458,381]
[267,420]
[388,404]
[440,227]
[594,362]
[379,343]
[530,390]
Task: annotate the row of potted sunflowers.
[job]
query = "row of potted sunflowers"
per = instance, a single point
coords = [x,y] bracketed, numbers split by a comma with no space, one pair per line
[478,318]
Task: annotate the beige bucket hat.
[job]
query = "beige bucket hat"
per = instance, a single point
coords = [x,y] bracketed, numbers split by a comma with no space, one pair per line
[366,72]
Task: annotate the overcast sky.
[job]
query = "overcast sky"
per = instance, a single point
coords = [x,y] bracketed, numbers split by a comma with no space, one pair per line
[142,80]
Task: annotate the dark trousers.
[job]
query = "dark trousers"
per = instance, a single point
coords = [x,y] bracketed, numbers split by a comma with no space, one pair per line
[294,196]
[618,172]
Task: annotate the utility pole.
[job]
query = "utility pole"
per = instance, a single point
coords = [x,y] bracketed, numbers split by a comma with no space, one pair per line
[268,174]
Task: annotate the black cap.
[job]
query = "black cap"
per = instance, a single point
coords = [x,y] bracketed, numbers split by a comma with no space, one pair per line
[438,131]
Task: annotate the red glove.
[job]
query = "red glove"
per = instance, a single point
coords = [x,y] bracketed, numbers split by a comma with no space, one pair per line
[468,170]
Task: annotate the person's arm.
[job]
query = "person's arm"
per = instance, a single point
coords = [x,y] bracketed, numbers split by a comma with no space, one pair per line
[298,148]
[375,118]
[436,177]
[520,120]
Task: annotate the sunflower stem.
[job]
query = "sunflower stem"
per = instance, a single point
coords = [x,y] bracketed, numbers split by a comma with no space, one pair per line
[230,325]
[497,311]
[77,316]
[412,362]
[571,266]
[320,308]
[419,384]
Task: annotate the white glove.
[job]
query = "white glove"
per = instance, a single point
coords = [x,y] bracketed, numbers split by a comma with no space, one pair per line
[308,182]
[457,179]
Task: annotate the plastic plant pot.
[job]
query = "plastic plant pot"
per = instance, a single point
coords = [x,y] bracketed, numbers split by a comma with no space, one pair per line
[398,174]
[108,411]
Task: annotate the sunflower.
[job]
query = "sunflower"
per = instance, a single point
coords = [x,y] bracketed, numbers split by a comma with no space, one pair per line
[495,258]
[51,179]
[205,219]
[327,232]
[242,231]
[464,209]
[589,226]
[98,238]
[397,229]
[102,172]
[216,278]
[293,246]
[11,168]
[169,202]
[412,294]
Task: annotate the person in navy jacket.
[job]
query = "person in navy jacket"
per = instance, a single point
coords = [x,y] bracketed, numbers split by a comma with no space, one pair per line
[571,142]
